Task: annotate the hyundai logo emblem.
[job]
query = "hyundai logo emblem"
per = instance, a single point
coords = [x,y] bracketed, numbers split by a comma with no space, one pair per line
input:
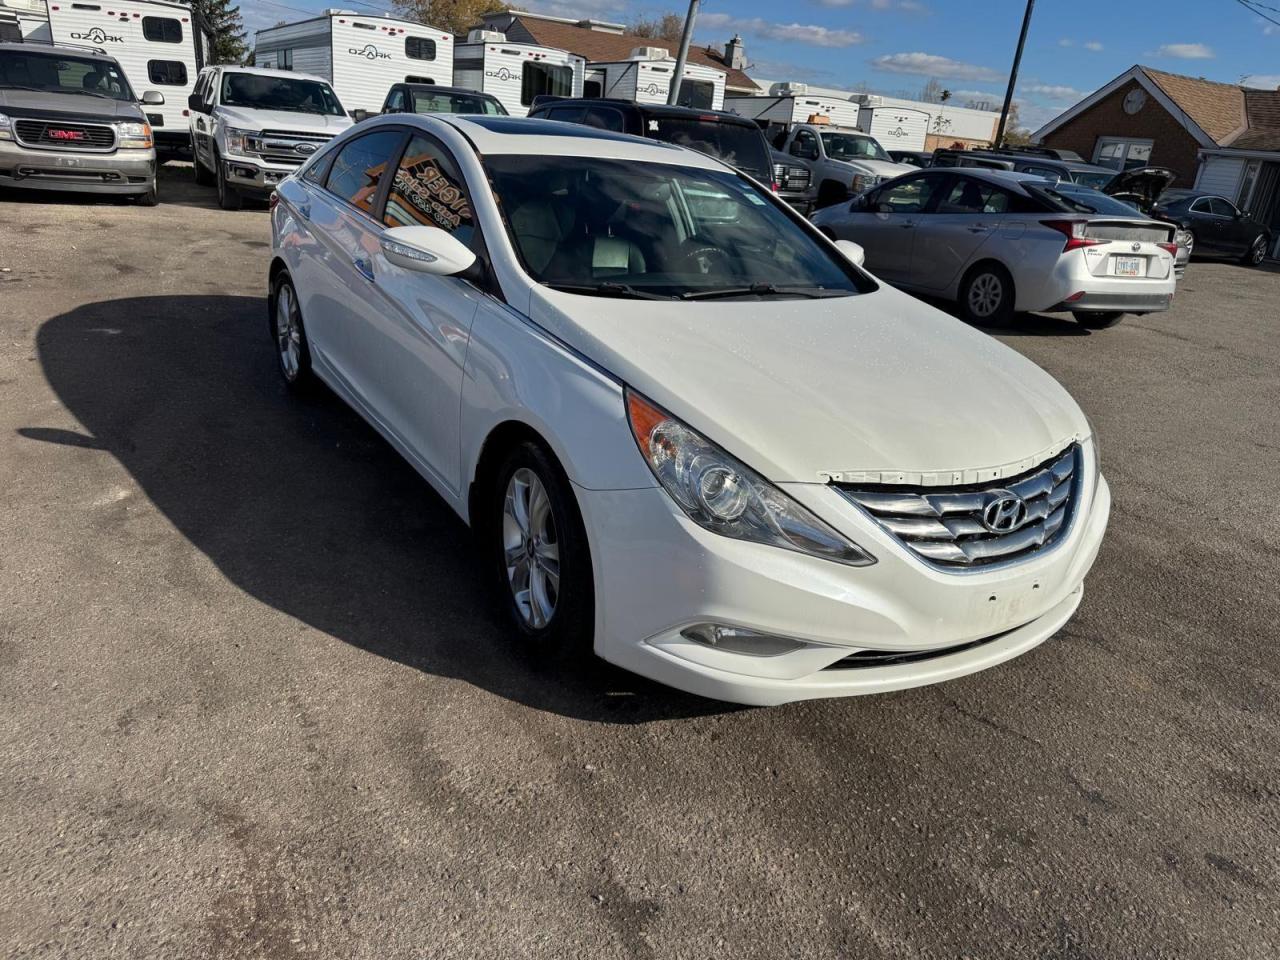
[1003,511]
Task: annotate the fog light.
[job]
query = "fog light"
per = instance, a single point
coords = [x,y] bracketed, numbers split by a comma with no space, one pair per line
[740,640]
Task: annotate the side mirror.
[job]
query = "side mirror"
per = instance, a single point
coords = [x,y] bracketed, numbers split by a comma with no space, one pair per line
[426,250]
[359,115]
[153,98]
[195,104]
[853,252]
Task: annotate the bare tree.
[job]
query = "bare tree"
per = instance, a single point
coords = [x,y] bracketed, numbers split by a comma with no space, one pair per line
[668,27]
[456,16]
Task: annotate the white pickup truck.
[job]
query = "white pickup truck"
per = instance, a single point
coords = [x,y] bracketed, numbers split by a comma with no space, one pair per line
[843,162]
[251,127]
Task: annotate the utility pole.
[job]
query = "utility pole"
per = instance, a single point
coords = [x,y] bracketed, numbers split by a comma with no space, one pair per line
[674,95]
[1013,75]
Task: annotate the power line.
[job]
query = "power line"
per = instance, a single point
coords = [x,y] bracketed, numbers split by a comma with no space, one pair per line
[1253,7]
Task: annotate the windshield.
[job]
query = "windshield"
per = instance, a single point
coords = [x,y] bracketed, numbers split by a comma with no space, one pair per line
[261,92]
[456,103]
[736,144]
[62,74]
[649,230]
[1095,180]
[1074,198]
[850,146]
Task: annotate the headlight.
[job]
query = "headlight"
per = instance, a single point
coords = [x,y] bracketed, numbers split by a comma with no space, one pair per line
[864,181]
[133,135]
[238,141]
[6,128]
[727,497]
[1097,450]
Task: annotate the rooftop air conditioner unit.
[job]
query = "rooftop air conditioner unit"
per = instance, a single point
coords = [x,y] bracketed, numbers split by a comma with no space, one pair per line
[480,35]
[788,89]
[650,53]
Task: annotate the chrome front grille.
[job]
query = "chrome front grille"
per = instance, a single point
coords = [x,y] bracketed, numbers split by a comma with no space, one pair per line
[978,524]
[285,147]
[56,135]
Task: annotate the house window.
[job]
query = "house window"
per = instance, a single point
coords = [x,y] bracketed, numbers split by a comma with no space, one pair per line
[539,78]
[171,73]
[1122,153]
[161,30]
[284,59]
[419,48]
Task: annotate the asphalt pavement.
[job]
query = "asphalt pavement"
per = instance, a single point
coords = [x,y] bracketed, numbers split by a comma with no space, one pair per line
[254,702]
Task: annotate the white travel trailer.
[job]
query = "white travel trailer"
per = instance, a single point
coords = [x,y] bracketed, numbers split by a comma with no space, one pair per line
[789,103]
[361,55]
[515,73]
[161,45]
[646,78]
[897,128]
[24,20]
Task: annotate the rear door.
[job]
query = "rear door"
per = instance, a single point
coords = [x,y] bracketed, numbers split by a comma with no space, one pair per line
[1235,229]
[948,234]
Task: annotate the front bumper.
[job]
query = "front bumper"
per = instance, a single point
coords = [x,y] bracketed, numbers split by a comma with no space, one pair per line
[121,172]
[676,574]
[251,175]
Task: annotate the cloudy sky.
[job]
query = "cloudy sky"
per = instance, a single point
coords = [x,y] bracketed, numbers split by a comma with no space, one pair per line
[895,46]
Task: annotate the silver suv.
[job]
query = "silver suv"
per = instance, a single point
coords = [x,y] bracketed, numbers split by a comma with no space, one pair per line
[70,121]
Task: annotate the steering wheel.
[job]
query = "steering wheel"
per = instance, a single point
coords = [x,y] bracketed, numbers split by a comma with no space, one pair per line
[706,257]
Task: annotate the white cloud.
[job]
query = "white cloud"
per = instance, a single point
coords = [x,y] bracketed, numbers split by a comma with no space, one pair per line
[1066,42]
[932,65]
[1093,45]
[1052,91]
[795,32]
[1186,51]
[1262,81]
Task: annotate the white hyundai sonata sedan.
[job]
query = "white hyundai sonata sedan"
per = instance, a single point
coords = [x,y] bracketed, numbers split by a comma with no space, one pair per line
[690,432]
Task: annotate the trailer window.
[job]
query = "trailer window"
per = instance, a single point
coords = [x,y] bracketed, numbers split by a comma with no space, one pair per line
[284,59]
[412,79]
[419,48]
[545,78]
[172,73]
[161,30]
[699,94]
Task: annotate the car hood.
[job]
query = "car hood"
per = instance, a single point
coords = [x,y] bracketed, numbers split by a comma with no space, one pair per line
[67,106]
[291,120]
[881,168]
[1142,185]
[802,389]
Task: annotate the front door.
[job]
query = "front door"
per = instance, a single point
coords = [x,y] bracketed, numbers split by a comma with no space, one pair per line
[968,212]
[886,227]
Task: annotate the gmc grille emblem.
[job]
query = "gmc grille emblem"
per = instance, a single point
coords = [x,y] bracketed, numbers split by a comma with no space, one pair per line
[66,134]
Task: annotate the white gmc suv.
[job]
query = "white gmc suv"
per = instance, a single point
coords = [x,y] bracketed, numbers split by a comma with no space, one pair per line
[252,127]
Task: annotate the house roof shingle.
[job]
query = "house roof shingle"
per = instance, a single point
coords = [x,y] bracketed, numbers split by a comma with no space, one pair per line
[1263,109]
[601,46]
[1217,108]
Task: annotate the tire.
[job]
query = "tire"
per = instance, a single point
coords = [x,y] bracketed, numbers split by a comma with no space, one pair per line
[987,295]
[539,555]
[831,193]
[1257,251]
[1097,321]
[228,196]
[152,197]
[204,176]
[293,352]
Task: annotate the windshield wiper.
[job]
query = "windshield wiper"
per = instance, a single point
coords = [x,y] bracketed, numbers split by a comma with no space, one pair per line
[608,289]
[763,290]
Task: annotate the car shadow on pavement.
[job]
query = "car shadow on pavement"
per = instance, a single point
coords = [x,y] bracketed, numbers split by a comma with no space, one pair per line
[299,502]
[176,186]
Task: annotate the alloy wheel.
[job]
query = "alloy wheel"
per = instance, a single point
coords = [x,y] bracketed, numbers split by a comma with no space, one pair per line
[288,332]
[531,548]
[986,293]
[1258,251]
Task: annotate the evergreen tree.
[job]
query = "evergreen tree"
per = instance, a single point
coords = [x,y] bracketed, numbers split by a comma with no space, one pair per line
[222,19]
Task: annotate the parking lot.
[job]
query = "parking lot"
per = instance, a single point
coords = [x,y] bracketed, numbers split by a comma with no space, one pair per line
[254,702]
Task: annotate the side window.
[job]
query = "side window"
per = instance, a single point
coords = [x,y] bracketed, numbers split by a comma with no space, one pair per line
[359,167]
[161,30]
[395,102]
[429,190]
[605,118]
[804,145]
[1201,205]
[167,72]
[319,168]
[1053,176]
[972,196]
[419,48]
[210,89]
[1221,208]
[907,196]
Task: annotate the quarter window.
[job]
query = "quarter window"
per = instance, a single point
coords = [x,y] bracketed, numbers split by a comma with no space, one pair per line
[171,73]
[161,30]
[429,190]
[545,78]
[419,48]
[359,167]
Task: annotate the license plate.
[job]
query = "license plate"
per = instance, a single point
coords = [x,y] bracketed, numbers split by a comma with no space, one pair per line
[1128,266]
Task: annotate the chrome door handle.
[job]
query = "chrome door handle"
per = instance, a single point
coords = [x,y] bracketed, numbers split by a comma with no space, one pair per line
[364,265]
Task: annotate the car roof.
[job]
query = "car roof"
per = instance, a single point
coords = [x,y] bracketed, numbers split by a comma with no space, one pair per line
[528,135]
[1003,178]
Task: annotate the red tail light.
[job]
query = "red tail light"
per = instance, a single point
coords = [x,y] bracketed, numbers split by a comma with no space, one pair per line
[1169,248]
[1071,230]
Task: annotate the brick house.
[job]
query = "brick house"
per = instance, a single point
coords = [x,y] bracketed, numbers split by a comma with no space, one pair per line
[1218,137]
